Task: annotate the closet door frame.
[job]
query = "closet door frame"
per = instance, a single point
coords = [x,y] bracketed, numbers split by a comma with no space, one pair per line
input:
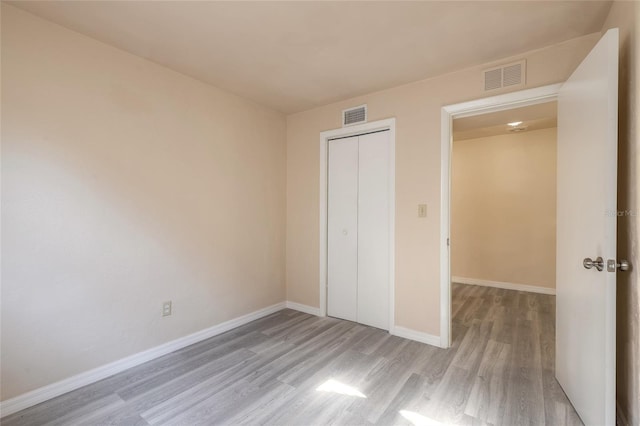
[387,124]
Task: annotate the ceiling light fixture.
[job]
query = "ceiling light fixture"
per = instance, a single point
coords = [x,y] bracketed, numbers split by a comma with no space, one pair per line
[514,123]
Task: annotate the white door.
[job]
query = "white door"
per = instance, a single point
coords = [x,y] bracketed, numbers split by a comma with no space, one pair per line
[373,230]
[342,229]
[586,228]
[358,229]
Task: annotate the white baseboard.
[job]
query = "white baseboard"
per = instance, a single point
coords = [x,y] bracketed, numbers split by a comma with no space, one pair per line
[418,336]
[303,308]
[507,286]
[45,393]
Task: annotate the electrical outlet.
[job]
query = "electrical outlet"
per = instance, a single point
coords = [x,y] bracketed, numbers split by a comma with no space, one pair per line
[422,210]
[166,309]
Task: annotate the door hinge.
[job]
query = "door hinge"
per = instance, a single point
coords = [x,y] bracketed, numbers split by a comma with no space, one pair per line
[447,242]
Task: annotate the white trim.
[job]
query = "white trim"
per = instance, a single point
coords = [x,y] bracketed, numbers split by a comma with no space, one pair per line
[507,286]
[303,308]
[45,393]
[418,336]
[504,102]
[507,101]
[446,122]
[392,225]
[387,124]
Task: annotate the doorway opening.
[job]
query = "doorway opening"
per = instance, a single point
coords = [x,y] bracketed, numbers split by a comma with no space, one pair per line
[503,215]
[476,112]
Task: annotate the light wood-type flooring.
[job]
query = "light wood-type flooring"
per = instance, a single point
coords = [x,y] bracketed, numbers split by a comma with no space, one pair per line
[292,368]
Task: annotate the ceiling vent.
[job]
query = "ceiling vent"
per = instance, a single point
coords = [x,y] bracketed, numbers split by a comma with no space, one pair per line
[356,115]
[509,75]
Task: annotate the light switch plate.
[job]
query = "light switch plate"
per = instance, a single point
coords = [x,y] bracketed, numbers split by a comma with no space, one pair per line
[422,210]
[166,309]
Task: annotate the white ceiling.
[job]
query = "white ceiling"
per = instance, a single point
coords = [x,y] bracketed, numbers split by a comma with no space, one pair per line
[293,56]
[533,117]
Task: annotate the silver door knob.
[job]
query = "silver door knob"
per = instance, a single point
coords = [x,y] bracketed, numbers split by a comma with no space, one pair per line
[613,266]
[623,265]
[598,263]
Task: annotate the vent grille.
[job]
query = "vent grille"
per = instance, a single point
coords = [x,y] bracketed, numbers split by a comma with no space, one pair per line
[354,115]
[493,79]
[510,75]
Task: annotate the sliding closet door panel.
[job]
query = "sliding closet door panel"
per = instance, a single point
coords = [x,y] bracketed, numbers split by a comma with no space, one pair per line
[342,229]
[373,230]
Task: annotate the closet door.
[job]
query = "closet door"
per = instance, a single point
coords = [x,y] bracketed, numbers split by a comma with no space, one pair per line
[342,229]
[373,230]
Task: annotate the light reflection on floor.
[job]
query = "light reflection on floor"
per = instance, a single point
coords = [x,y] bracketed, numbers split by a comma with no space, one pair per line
[335,386]
[418,419]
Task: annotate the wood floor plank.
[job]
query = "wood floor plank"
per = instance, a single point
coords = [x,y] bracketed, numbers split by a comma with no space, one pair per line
[433,367]
[489,393]
[448,402]
[409,398]
[466,314]
[86,412]
[472,347]
[296,374]
[189,364]
[385,381]
[289,325]
[218,370]
[499,371]
[299,328]
[311,354]
[117,413]
[202,390]
[525,402]
[372,342]
[348,369]
[219,407]
[55,408]
[264,407]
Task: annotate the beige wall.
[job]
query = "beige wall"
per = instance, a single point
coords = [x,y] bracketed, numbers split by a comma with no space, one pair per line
[125,184]
[625,16]
[503,208]
[417,108]
[129,184]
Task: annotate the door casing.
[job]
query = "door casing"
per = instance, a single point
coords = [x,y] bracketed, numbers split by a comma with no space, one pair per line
[507,101]
[387,124]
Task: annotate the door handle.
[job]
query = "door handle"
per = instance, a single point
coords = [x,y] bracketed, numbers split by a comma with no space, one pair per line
[613,266]
[598,263]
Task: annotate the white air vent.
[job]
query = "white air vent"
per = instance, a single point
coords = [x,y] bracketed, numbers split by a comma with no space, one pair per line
[354,115]
[509,75]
